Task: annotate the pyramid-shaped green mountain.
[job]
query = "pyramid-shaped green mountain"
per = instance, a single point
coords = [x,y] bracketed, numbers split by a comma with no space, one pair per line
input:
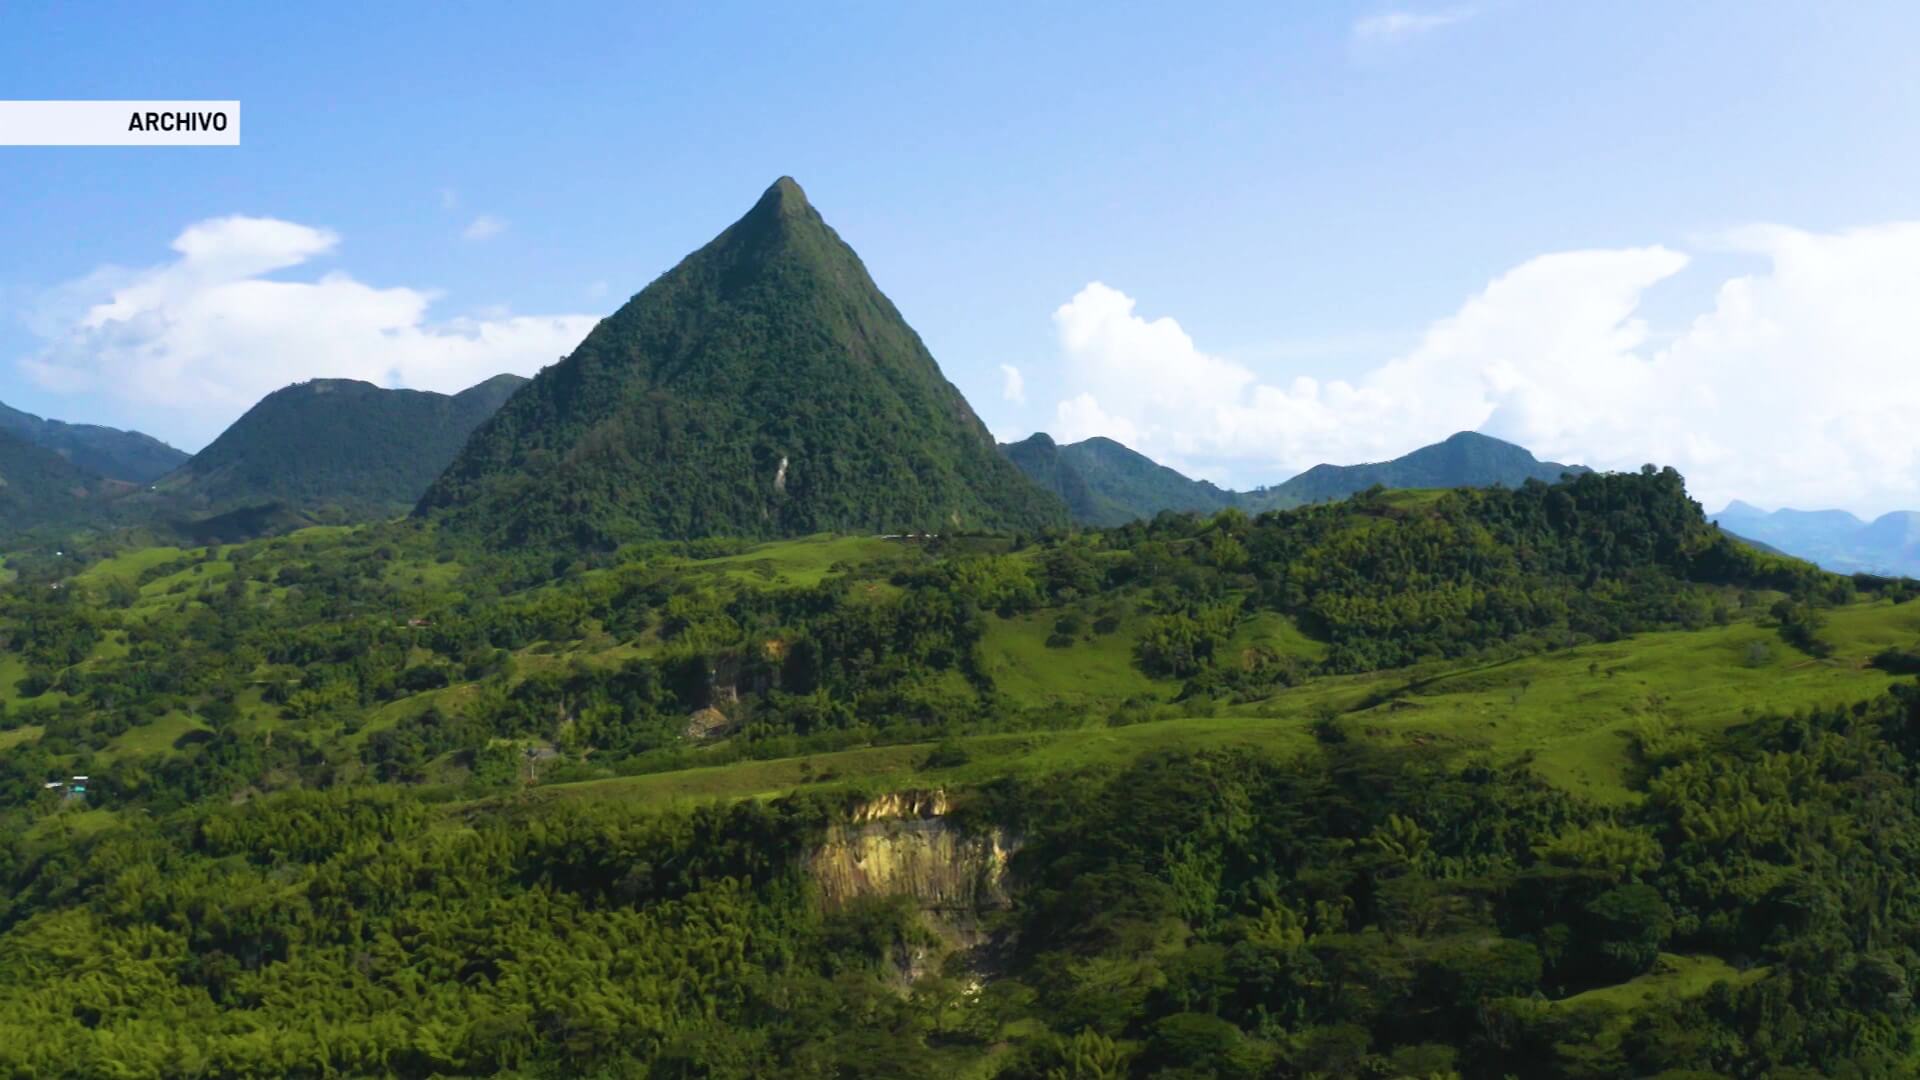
[762,387]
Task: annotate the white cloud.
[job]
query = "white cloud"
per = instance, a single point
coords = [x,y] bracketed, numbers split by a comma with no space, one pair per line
[194,342]
[1082,417]
[1797,386]
[1013,387]
[483,227]
[1398,25]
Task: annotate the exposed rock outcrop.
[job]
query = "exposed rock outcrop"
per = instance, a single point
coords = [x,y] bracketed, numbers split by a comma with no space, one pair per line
[904,844]
[708,723]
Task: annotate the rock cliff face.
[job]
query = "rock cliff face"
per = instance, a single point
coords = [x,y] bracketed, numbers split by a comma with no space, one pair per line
[904,845]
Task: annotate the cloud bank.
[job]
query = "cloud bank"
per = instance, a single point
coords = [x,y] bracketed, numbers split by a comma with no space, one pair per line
[1799,385]
[194,342]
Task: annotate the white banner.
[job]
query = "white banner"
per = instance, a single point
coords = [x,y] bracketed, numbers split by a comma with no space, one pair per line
[119,123]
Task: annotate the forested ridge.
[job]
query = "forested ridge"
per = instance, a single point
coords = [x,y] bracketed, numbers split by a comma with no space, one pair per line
[327,450]
[336,445]
[1556,781]
[126,456]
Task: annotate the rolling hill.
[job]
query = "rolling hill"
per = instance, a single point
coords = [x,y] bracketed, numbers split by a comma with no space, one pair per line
[762,387]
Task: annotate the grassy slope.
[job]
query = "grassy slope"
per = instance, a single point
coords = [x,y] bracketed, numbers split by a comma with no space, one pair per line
[1100,669]
[1573,712]
[987,757]
[1672,977]
[19,735]
[799,562]
[154,738]
[128,566]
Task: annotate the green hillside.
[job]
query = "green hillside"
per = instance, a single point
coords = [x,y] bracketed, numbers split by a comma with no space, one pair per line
[333,446]
[1557,781]
[127,456]
[763,387]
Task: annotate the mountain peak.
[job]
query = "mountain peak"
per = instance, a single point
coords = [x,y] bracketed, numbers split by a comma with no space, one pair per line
[788,191]
[501,385]
[1475,438]
[783,201]
[326,386]
[764,386]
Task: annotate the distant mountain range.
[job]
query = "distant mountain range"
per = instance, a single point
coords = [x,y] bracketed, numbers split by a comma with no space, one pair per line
[762,387]
[103,451]
[325,450]
[1465,459]
[1835,539]
[1104,483]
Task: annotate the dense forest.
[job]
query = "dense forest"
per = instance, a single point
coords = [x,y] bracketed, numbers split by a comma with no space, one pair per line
[375,801]
[348,448]
[1354,913]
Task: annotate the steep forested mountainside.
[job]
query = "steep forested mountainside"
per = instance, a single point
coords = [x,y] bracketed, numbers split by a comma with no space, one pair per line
[763,387]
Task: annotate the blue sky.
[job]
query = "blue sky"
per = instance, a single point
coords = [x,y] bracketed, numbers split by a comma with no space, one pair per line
[1246,239]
